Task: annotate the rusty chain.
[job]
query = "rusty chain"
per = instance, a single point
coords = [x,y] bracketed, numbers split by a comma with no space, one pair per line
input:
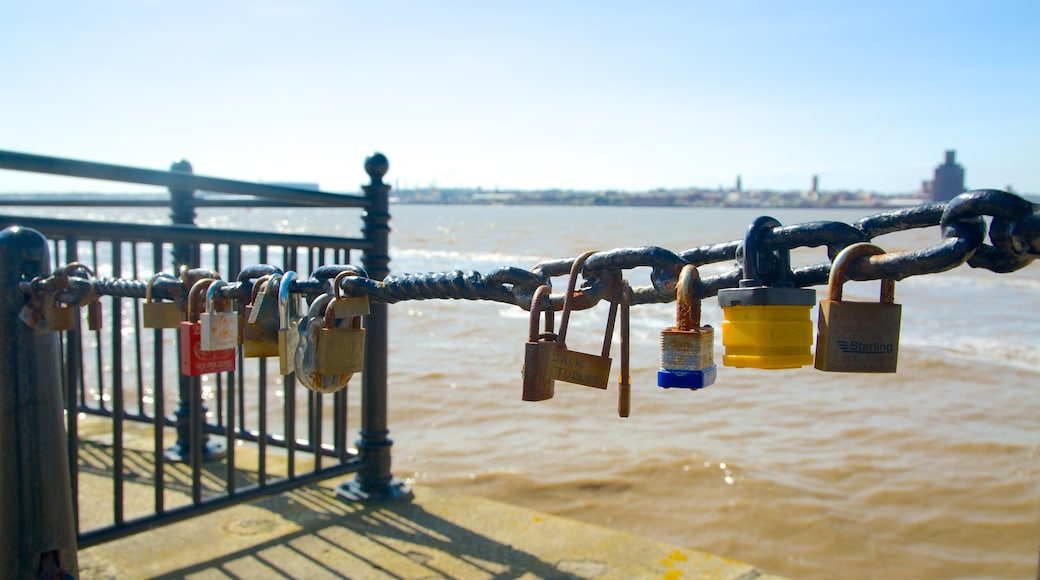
[1013,243]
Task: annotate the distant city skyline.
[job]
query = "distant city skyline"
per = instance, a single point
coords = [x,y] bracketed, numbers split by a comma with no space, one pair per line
[580,96]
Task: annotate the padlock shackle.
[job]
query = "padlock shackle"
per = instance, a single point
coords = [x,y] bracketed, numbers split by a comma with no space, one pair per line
[687,307]
[572,282]
[260,284]
[752,253]
[283,298]
[151,282]
[540,295]
[337,291]
[844,259]
[195,295]
[211,295]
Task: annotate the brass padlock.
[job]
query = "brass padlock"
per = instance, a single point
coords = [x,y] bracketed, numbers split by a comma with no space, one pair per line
[538,381]
[624,408]
[857,337]
[331,350]
[288,321]
[577,367]
[219,328]
[260,331]
[60,316]
[157,313]
[687,349]
[341,344]
[348,306]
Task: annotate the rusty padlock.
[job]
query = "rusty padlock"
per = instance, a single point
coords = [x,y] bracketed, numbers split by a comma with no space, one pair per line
[857,337]
[60,317]
[219,327]
[92,300]
[624,376]
[159,313]
[687,349]
[260,331]
[577,367]
[538,381]
[194,360]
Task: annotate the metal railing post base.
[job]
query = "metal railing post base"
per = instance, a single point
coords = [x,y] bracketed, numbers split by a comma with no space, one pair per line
[395,489]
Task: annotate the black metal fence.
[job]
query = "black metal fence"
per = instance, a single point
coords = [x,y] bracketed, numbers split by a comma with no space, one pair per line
[170,446]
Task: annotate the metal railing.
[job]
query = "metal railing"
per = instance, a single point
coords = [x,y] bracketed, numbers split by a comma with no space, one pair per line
[121,373]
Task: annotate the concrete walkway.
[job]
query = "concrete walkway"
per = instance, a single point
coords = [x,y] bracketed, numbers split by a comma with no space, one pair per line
[310,533]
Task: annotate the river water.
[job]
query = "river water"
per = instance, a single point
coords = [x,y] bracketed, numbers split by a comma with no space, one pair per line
[932,472]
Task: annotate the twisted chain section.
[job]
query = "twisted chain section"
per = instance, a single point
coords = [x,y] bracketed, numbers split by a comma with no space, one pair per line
[1013,243]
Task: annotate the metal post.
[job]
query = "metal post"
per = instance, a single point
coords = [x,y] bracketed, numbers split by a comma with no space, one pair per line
[36,516]
[182,212]
[374,481]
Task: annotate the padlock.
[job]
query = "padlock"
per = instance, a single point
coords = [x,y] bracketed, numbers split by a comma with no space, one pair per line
[766,326]
[219,328]
[157,313]
[194,360]
[60,316]
[577,367]
[857,337]
[92,300]
[288,320]
[687,349]
[624,408]
[260,331]
[348,306]
[538,381]
[330,350]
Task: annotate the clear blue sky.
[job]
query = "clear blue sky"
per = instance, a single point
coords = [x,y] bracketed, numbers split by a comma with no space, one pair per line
[536,94]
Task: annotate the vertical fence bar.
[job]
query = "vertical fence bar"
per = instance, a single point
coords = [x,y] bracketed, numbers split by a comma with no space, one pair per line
[374,480]
[36,519]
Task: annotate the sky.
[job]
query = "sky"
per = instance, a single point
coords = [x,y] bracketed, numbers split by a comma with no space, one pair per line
[584,95]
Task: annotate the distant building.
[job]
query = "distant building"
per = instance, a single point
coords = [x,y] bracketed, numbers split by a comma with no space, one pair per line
[949,179]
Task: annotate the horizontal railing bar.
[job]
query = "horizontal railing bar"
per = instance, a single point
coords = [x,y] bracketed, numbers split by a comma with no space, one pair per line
[171,179]
[109,231]
[137,200]
[102,535]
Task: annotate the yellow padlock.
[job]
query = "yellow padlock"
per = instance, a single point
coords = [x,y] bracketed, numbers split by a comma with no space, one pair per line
[766,326]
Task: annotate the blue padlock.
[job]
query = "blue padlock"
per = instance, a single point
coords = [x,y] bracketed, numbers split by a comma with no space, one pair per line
[687,349]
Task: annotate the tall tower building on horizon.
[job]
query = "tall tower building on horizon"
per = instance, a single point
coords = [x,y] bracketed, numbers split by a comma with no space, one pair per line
[949,179]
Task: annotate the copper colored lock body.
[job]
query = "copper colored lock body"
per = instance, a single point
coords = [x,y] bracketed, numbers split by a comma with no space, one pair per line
[857,337]
[194,360]
[538,381]
[341,344]
[61,317]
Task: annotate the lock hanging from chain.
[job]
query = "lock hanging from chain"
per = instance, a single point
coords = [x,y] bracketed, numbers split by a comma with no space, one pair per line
[539,383]
[219,327]
[578,367]
[857,337]
[194,360]
[159,313]
[687,349]
[766,326]
[260,330]
[288,321]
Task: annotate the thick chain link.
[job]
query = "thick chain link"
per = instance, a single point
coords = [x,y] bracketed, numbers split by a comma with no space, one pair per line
[1013,243]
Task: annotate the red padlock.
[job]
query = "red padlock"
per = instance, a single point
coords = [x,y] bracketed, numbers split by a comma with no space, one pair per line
[194,360]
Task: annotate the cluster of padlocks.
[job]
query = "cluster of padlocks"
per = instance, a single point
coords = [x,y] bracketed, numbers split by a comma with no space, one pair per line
[323,346]
[765,326]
